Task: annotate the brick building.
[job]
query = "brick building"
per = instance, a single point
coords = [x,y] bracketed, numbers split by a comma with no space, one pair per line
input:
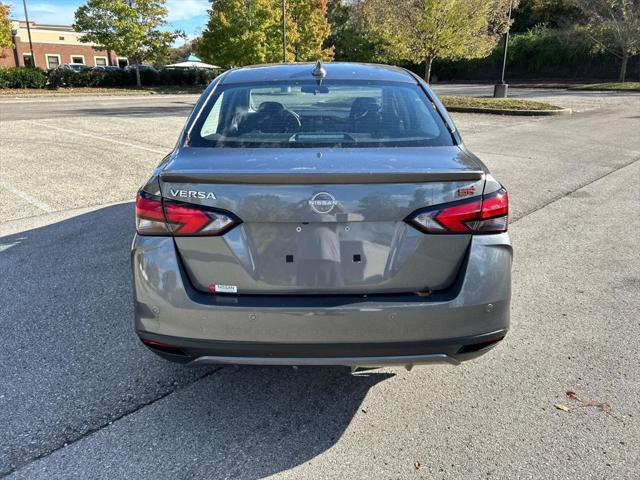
[53,45]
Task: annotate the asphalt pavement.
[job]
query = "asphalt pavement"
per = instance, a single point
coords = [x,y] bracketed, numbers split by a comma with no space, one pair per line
[80,398]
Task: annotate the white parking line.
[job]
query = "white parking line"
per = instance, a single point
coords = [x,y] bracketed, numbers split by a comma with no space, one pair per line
[97,137]
[26,197]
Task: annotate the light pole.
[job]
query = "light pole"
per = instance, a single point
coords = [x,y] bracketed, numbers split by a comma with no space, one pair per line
[26,16]
[501,90]
[284,32]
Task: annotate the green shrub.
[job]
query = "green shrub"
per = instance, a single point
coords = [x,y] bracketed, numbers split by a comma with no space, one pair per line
[90,78]
[204,76]
[175,76]
[62,77]
[148,77]
[538,53]
[541,46]
[21,77]
[186,76]
[117,78]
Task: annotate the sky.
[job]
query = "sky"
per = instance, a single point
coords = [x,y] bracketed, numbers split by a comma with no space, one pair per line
[187,15]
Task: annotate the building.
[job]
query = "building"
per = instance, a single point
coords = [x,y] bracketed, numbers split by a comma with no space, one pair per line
[53,45]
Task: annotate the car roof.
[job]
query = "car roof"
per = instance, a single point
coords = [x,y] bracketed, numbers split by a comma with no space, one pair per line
[302,71]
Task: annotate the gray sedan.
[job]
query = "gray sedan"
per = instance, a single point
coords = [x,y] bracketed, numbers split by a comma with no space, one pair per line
[321,215]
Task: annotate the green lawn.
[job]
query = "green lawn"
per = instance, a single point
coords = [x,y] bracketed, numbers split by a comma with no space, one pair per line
[497,103]
[633,86]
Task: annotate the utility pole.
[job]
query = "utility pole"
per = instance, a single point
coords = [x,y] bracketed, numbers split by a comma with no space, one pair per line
[284,32]
[26,16]
[501,90]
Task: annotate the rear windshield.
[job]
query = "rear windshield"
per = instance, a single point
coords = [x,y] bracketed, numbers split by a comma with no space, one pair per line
[335,113]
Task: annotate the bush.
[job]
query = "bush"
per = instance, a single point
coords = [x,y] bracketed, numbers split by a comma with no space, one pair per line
[21,77]
[540,47]
[62,77]
[127,78]
[117,78]
[186,76]
[539,53]
[148,77]
[175,76]
[204,77]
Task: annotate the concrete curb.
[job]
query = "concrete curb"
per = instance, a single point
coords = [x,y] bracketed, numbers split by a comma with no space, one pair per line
[603,90]
[505,111]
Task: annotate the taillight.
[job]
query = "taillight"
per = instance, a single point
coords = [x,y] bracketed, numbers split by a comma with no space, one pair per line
[157,216]
[187,219]
[150,216]
[488,214]
[494,217]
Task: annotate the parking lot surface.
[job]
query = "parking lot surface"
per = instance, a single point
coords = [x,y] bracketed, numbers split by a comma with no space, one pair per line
[81,398]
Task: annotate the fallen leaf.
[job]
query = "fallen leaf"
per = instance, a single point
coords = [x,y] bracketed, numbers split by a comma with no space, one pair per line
[604,406]
[572,395]
[559,406]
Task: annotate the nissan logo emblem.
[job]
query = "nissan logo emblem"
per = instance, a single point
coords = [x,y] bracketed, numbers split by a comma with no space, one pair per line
[322,202]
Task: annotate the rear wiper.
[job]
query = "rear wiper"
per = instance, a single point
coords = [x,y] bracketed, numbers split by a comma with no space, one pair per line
[322,137]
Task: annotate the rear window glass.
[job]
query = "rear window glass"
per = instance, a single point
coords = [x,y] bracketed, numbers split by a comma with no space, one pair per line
[304,114]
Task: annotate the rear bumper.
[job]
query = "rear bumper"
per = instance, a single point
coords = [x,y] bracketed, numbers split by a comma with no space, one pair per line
[352,330]
[200,352]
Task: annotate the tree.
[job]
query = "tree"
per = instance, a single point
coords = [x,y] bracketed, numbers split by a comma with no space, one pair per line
[614,25]
[178,54]
[498,22]
[245,32]
[130,27]
[241,32]
[422,30]
[310,28]
[350,38]
[5,27]
[556,14]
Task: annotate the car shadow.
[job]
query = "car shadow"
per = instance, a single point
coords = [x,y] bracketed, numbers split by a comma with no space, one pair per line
[246,422]
[71,363]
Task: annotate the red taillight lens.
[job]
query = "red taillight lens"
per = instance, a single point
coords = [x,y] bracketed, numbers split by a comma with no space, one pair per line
[488,214]
[495,204]
[187,219]
[495,213]
[150,216]
[155,216]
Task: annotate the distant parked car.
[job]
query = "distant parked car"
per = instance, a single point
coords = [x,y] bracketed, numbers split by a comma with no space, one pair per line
[108,68]
[78,67]
[142,67]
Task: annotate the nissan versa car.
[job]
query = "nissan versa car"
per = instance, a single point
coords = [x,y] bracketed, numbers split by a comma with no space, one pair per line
[321,215]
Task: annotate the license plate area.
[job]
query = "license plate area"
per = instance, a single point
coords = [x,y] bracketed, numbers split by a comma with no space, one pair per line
[334,254]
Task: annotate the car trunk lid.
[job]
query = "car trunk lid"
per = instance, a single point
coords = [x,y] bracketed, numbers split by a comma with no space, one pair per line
[322,221]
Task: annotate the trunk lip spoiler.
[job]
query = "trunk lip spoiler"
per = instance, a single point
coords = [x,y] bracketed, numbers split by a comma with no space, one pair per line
[316,178]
